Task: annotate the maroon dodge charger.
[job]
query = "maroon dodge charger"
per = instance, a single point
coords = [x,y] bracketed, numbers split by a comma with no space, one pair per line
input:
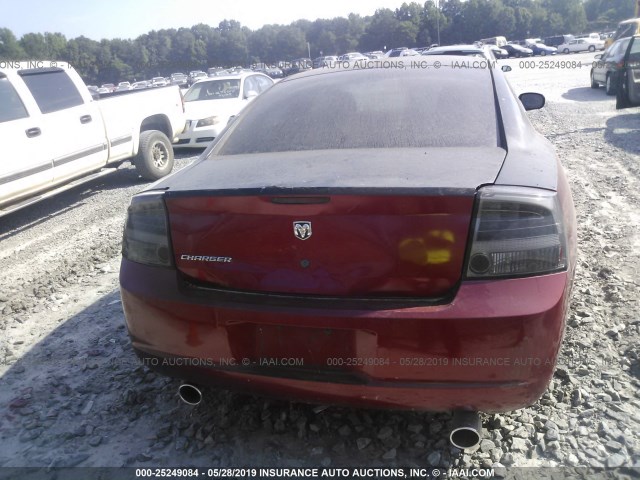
[394,236]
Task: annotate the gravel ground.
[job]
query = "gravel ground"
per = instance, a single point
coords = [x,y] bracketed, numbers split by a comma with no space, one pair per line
[72,393]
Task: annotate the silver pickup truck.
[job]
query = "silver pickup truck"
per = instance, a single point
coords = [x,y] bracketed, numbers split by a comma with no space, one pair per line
[54,135]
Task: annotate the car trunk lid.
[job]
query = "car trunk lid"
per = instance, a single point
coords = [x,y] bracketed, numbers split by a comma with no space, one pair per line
[353,224]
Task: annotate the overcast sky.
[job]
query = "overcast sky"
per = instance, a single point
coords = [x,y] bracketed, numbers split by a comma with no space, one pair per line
[99,19]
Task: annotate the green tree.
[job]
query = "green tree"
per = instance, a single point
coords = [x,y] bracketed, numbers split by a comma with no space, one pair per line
[290,42]
[523,22]
[234,48]
[504,20]
[432,20]
[262,44]
[81,54]
[385,30]
[10,49]
[34,46]
[56,45]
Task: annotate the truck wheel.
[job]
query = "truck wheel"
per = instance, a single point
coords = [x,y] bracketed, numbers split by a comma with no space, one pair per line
[155,155]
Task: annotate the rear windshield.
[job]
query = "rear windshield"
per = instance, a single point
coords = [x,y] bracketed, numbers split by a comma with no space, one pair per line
[213,90]
[374,108]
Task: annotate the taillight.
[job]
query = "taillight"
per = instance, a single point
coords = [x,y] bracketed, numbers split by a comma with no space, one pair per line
[146,235]
[517,231]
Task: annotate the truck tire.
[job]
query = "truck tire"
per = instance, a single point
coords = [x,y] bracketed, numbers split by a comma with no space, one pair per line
[155,155]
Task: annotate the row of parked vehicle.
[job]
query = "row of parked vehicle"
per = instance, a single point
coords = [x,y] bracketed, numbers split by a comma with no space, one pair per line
[548,46]
[179,79]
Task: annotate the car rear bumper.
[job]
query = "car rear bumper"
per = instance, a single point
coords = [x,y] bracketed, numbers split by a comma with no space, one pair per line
[492,348]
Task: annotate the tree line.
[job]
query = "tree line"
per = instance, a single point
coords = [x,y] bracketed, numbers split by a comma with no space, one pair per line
[161,52]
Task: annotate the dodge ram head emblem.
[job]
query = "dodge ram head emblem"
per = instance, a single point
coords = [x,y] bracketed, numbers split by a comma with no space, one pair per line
[302,229]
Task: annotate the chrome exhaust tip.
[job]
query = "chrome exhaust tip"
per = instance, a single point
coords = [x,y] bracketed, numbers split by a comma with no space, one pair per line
[466,429]
[189,394]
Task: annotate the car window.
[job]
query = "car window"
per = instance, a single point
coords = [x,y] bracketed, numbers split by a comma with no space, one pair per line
[250,84]
[263,83]
[634,54]
[213,90]
[443,110]
[609,52]
[616,49]
[11,107]
[52,89]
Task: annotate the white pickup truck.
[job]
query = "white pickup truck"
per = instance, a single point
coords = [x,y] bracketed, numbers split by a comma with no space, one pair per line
[54,135]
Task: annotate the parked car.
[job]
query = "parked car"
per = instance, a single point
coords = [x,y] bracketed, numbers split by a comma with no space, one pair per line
[123,87]
[298,65]
[376,54]
[327,60]
[581,45]
[498,52]
[306,255]
[180,79]
[590,36]
[542,49]
[195,76]
[210,104]
[62,137]
[628,89]
[556,40]
[141,85]
[216,71]
[109,87]
[272,70]
[402,52]
[498,41]
[353,57]
[159,82]
[608,65]
[484,51]
[515,50]
[94,91]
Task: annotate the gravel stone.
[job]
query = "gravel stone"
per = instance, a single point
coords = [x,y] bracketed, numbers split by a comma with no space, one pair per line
[616,460]
[434,459]
[486,446]
[390,454]
[385,432]
[363,443]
